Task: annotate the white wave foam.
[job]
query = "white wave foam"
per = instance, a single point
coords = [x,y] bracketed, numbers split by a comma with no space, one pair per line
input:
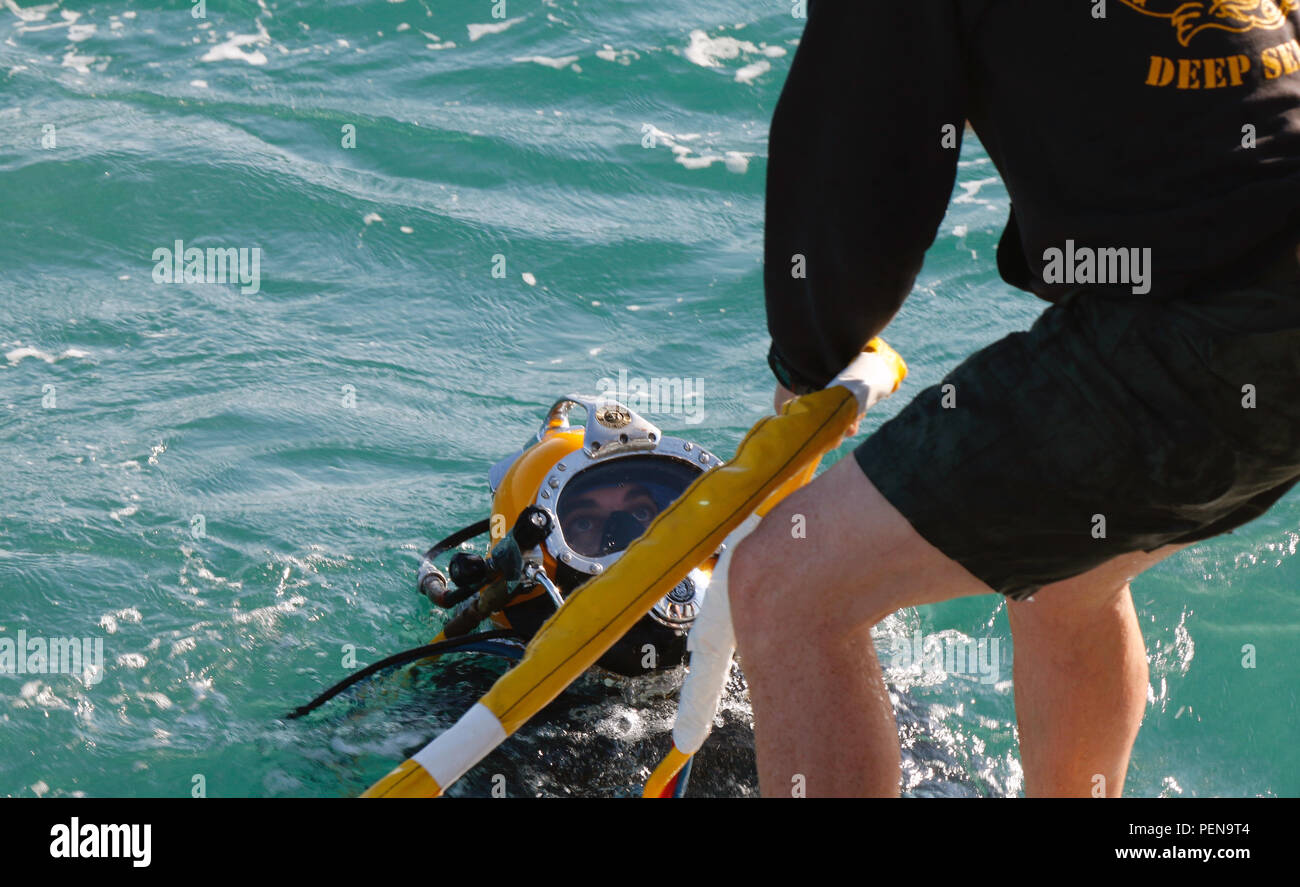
[79,63]
[68,19]
[748,73]
[556,63]
[735,161]
[232,49]
[971,190]
[158,699]
[708,51]
[31,13]
[17,355]
[477,31]
[621,56]
[123,512]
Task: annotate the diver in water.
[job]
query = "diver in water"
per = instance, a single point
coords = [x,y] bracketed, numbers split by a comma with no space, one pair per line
[579,497]
[1153,166]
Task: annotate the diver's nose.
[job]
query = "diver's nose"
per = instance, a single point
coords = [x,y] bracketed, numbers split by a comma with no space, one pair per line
[619,531]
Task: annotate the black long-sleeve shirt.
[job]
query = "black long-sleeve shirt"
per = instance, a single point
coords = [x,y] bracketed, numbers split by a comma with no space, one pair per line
[1164,125]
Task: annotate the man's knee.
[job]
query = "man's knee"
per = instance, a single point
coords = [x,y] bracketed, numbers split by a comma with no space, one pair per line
[757,581]
[1066,609]
[775,583]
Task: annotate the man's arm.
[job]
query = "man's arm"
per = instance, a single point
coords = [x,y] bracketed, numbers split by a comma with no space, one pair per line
[860,171]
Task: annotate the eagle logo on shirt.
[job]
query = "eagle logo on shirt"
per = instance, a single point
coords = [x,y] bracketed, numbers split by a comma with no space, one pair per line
[1191,18]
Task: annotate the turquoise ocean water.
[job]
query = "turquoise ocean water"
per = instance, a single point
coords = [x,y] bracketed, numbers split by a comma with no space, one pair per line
[228,487]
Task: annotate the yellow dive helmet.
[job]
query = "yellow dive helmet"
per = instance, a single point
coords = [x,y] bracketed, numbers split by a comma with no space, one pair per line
[592,491]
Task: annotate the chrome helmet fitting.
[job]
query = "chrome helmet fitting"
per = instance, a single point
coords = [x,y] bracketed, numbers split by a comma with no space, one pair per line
[604,495]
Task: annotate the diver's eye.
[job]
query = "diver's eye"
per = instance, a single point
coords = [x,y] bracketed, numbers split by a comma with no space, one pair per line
[644,514]
[582,525]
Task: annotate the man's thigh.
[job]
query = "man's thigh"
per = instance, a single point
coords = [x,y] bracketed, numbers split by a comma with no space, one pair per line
[836,555]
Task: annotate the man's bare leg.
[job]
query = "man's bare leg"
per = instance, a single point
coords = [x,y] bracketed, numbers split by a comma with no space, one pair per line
[1081,679]
[803,609]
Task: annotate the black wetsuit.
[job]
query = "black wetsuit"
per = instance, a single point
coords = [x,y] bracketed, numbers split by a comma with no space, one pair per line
[1164,125]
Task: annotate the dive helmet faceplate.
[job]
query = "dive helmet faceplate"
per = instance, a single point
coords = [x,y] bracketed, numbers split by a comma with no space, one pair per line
[602,485]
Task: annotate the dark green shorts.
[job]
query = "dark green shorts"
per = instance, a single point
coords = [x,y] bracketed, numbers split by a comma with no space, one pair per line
[1111,425]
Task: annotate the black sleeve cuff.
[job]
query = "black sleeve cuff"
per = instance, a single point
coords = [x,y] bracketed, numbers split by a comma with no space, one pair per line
[787,377]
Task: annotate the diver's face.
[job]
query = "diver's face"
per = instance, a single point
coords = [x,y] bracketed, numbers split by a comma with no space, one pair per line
[584,525]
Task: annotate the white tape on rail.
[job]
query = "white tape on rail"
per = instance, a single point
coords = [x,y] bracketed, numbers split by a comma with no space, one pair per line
[712,642]
[870,376]
[470,740]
